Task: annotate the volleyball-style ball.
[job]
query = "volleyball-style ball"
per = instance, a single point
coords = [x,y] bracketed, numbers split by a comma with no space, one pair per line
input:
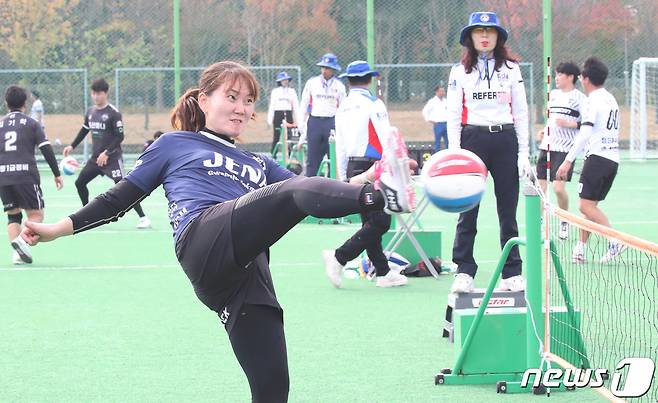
[68,165]
[454,180]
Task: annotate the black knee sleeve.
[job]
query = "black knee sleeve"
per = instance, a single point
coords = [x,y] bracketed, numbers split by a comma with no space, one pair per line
[15,218]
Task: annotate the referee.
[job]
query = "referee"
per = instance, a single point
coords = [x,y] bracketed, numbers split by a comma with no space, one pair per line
[282,108]
[320,100]
[488,115]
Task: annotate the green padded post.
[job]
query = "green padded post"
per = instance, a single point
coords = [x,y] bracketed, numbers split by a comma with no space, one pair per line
[533,269]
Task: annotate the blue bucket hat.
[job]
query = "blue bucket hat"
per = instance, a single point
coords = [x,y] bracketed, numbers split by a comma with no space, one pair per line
[358,68]
[329,60]
[483,19]
[283,76]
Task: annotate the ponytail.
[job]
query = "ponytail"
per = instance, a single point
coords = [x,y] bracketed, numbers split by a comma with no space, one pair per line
[187,114]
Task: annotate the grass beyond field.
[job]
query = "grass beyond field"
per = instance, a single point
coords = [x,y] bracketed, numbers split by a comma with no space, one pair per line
[108,315]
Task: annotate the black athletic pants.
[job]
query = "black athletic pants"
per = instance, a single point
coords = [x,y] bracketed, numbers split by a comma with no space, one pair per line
[259,344]
[276,127]
[499,152]
[88,173]
[257,220]
[369,237]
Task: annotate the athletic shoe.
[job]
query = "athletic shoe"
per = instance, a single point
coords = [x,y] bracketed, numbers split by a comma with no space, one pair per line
[615,249]
[22,248]
[578,255]
[392,176]
[16,259]
[563,233]
[144,223]
[463,283]
[391,279]
[332,267]
[514,283]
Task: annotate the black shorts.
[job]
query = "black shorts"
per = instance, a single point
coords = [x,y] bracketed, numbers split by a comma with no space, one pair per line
[557,158]
[25,196]
[596,178]
[205,251]
[113,169]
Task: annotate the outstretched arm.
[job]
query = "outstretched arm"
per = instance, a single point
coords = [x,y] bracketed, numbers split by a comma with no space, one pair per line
[105,208]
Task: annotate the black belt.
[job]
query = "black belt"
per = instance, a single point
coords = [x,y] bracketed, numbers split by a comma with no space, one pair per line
[362,159]
[492,128]
[322,117]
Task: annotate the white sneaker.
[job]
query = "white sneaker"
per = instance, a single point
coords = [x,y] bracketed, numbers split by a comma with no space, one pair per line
[563,233]
[16,259]
[514,283]
[615,249]
[332,267]
[22,248]
[463,283]
[144,223]
[391,279]
[392,176]
[578,255]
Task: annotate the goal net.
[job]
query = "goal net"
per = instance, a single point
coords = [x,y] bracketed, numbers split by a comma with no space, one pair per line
[644,109]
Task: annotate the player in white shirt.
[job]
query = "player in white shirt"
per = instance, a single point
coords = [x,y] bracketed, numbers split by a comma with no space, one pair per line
[435,112]
[37,112]
[565,107]
[599,136]
[320,100]
[362,128]
[488,115]
[283,106]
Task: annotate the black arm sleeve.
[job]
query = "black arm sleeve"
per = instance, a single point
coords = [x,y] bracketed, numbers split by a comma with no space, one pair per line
[108,206]
[49,155]
[79,137]
[113,147]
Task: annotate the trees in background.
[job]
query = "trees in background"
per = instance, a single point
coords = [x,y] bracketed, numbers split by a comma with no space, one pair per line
[101,35]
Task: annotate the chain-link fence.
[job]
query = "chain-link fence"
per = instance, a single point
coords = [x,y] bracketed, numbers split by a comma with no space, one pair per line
[130,43]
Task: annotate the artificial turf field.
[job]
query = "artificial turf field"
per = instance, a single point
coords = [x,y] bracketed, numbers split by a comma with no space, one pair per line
[109,316]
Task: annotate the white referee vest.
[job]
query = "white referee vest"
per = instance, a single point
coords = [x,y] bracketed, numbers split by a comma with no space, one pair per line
[321,97]
[486,97]
[282,99]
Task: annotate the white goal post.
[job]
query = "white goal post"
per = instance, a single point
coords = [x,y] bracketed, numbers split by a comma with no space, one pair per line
[644,109]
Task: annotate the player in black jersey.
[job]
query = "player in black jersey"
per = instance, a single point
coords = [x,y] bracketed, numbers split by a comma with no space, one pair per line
[19,177]
[106,125]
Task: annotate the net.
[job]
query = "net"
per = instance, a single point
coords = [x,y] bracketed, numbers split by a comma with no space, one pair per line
[644,109]
[603,297]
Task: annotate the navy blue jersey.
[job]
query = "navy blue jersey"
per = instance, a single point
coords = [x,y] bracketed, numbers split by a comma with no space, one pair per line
[199,170]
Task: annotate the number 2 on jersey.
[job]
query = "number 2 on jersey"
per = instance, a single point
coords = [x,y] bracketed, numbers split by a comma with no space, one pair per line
[10,141]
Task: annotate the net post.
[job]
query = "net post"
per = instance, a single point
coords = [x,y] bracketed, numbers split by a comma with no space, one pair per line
[535,316]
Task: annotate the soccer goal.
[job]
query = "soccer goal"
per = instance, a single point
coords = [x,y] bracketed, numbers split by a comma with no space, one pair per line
[644,109]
